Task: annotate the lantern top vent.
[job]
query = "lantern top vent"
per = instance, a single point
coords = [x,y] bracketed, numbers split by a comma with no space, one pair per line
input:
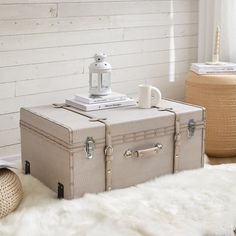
[100,57]
[100,64]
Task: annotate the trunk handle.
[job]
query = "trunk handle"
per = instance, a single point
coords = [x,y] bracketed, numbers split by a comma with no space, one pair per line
[143,152]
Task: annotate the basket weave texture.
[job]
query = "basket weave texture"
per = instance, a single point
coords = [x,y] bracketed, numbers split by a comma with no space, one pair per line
[217,93]
[11,192]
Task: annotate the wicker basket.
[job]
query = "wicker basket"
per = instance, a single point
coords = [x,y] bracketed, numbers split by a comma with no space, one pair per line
[11,192]
[217,93]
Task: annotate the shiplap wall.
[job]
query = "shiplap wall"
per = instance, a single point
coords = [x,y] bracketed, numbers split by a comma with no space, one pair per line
[47,45]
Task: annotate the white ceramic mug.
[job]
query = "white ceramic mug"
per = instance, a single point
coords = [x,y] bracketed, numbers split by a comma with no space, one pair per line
[148,96]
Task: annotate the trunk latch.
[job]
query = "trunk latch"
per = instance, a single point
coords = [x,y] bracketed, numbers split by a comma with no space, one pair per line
[89,147]
[191,128]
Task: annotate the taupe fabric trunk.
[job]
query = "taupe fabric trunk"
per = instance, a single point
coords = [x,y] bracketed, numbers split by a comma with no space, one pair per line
[54,142]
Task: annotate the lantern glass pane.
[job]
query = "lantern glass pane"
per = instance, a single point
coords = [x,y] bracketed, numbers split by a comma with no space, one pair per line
[105,80]
[94,81]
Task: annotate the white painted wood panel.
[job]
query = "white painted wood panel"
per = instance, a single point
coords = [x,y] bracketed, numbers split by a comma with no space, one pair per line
[35,41]
[122,8]
[25,11]
[77,1]
[14,104]
[153,19]
[170,88]
[150,71]
[32,26]
[169,43]
[76,81]
[163,31]
[11,58]
[9,121]
[141,59]
[10,151]
[9,137]
[72,67]
[36,86]
[7,90]
[21,42]
[43,70]
[130,88]
[46,47]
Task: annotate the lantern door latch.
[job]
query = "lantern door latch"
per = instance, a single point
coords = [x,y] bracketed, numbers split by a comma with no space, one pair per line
[191,128]
[89,147]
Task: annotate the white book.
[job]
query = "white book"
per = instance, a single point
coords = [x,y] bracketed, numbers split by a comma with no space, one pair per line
[100,106]
[205,68]
[86,98]
[205,71]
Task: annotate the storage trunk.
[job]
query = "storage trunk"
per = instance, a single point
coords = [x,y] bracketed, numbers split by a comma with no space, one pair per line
[91,152]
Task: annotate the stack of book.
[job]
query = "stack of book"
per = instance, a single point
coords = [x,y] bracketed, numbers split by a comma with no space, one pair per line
[202,68]
[86,102]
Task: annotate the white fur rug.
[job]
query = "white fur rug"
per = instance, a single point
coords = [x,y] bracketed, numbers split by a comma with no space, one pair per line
[192,203]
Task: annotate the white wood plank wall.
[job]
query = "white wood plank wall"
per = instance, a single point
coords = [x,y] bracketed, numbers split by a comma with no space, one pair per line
[47,45]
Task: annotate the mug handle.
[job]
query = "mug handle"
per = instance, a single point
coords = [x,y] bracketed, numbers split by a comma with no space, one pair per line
[155,96]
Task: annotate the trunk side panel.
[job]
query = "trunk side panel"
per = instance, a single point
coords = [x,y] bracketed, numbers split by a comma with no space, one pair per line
[89,174]
[48,162]
[191,150]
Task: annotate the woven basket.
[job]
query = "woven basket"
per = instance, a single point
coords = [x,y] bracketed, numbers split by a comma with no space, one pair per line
[11,192]
[217,93]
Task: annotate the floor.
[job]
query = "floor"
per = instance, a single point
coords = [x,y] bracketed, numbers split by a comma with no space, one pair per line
[218,160]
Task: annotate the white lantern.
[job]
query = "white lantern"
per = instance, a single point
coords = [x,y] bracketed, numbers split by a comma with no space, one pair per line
[100,76]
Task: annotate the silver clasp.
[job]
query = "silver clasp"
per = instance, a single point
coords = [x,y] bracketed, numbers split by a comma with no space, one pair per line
[191,128]
[89,147]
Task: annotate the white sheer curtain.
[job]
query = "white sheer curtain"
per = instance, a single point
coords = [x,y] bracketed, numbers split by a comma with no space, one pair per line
[211,14]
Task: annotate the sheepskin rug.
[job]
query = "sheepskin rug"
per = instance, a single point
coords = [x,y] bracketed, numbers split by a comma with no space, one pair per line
[192,203]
